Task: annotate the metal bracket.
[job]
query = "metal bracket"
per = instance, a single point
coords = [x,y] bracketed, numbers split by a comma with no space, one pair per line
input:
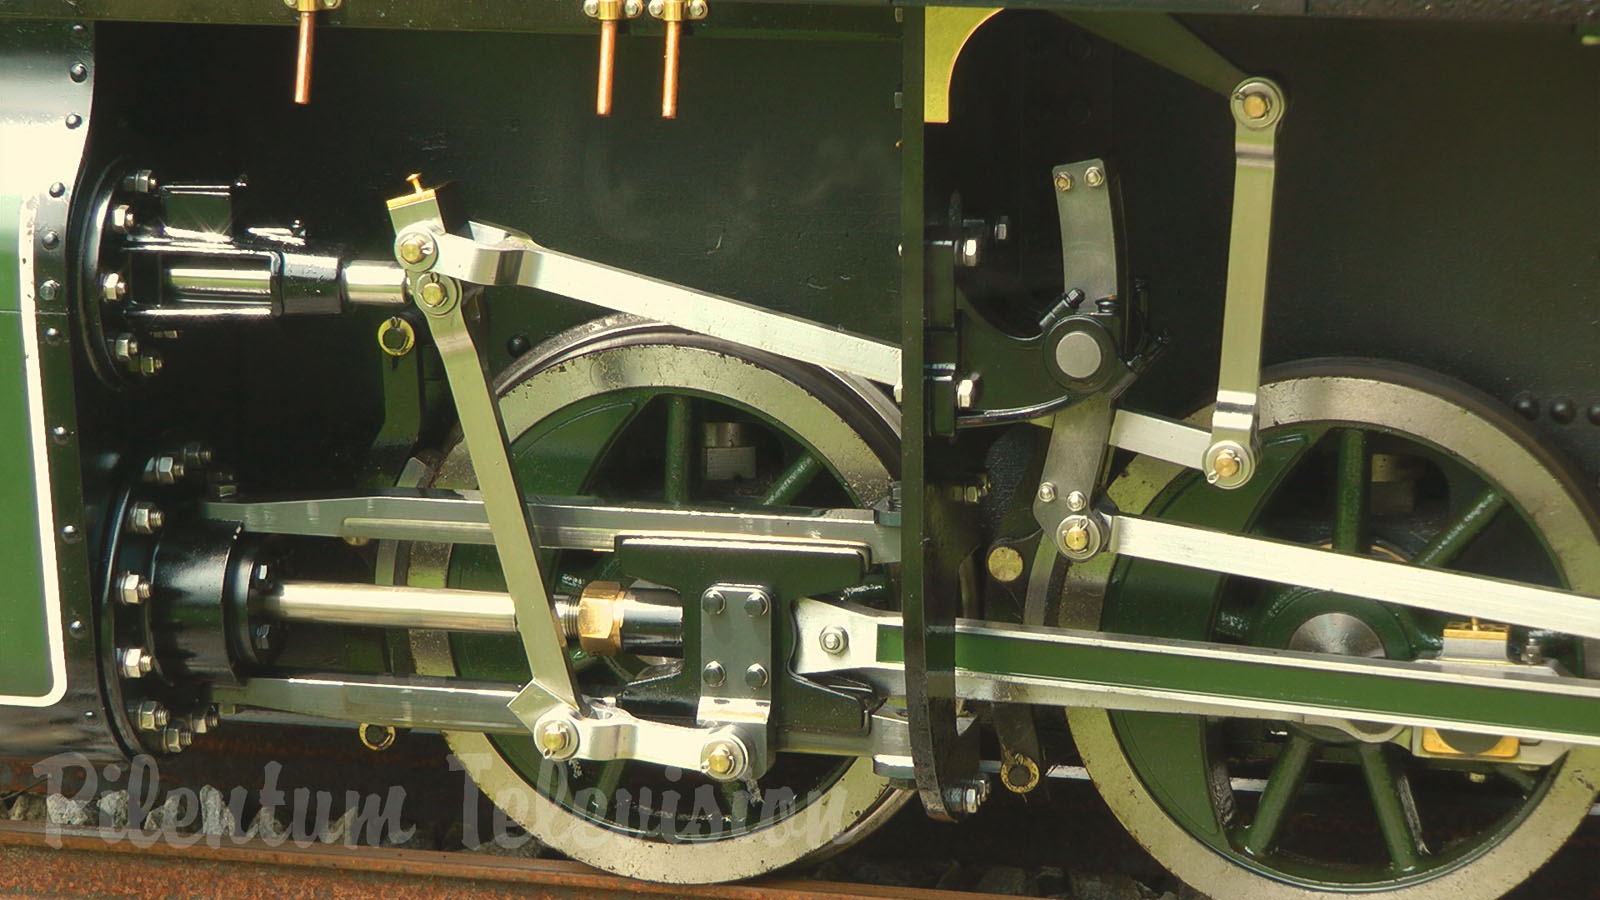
[1088,229]
[1258,107]
[736,630]
[1079,438]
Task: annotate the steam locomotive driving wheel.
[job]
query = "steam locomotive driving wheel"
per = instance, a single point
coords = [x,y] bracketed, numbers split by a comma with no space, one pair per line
[1372,459]
[629,411]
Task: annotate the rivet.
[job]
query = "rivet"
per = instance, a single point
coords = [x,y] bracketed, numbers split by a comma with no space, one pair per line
[57,189]
[74,120]
[60,434]
[78,72]
[70,534]
[76,628]
[49,288]
[53,336]
[50,239]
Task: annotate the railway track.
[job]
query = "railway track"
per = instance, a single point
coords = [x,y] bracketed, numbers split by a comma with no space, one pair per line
[39,861]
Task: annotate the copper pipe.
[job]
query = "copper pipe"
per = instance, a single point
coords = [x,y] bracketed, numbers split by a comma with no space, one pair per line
[302,62]
[608,55]
[669,74]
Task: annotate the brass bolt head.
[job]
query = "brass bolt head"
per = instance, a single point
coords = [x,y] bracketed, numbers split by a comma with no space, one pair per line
[556,738]
[721,760]
[1063,182]
[432,293]
[1094,176]
[1005,564]
[415,248]
[1255,106]
[1226,464]
[1076,537]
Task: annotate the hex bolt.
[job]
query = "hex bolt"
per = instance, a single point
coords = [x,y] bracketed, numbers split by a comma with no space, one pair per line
[213,717]
[132,588]
[164,469]
[712,602]
[1047,492]
[968,253]
[173,739]
[756,676]
[591,8]
[141,182]
[145,518]
[756,604]
[151,716]
[834,639]
[125,347]
[122,218]
[113,287]
[415,248]
[698,9]
[966,393]
[150,364]
[1076,501]
[196,454]
[1063,182]
[713,674]
[134,662]
[558,739]
[632,8]
[1094,176]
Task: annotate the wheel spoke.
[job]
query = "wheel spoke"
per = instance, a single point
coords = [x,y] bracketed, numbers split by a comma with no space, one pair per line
[794,479]
[1283,786]
[606,778]
[1350,498]
[680,449]
[1396,809]
[1454,538]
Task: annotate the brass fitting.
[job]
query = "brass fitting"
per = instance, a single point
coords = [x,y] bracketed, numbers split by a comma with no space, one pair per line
[600,613]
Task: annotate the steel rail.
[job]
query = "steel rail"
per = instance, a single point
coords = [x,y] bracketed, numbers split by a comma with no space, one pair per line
[38,860]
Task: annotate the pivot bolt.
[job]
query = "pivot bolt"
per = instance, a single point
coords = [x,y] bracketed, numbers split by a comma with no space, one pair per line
[1076,536]
[558,739]
[712,602]
[756,676]
[722,760]
[834,639]
[145,518]
[433,293]
[134,662]
[714,674]
[151,716]
[1255,106]
[1226,465]
[415,248]
[132,588]
[1047,492]
[1005,564]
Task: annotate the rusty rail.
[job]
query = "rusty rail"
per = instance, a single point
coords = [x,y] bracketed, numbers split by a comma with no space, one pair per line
[38,862]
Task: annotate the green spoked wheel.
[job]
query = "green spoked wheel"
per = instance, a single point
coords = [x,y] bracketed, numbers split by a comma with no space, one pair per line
[631,411]
[1364,458]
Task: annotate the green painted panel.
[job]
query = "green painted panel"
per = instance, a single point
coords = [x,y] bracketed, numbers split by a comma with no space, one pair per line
[25,669]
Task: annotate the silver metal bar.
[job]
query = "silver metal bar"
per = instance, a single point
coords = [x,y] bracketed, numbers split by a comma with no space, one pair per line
[500,256]
[374,283]
[1492,599]
[209,281]
[458,517]
[400,701]
[1161,438]
[1258,108]
[388,606]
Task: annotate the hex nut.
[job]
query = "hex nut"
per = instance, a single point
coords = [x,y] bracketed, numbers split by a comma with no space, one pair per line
[164,470]
[600,619]
[151,716]
[1063,182]
[175,739]
[125,347]
[134,662]
[150,364]
[834,640]
[966,393]
[145,518]
[122,219]
[1076,501]
[132,588]
[1094,176]
[113,287]
[1047,492]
